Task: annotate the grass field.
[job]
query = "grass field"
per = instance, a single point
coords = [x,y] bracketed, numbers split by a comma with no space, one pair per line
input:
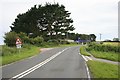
[103,70]
[111,43]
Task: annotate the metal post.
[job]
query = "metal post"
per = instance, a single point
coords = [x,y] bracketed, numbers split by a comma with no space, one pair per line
[100,36]
[54,1]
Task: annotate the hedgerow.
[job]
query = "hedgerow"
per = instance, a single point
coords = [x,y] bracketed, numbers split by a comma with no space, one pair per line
[103,48]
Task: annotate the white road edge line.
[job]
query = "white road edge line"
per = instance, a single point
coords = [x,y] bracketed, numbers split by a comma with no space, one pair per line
[21,75]
[89,58]
[84,58]
[88,73]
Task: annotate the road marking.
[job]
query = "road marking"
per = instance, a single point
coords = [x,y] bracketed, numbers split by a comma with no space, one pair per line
[88,58]
[88,73]
[21,75]
[84,58]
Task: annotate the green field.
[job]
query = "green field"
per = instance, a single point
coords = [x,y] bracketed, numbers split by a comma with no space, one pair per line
[111,43]
[102,70]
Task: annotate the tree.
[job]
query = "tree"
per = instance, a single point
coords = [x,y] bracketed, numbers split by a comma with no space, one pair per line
[50,19]
[26,22]
[55,20]
[92,37]
[10,38]
[115,39]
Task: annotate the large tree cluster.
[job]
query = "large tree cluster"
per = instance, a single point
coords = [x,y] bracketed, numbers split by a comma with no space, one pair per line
[49,21]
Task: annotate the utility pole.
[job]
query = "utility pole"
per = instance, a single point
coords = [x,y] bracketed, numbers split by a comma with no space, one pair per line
[100,36]
[54,1]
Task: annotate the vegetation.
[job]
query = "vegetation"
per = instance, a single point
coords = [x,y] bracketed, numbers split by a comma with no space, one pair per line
[103,48]
[44,21]
[112,43]
[110,52]
[103,70]
[83,51]
[105,55]
[11,54]
[51,21]
[40,26]
[10,38]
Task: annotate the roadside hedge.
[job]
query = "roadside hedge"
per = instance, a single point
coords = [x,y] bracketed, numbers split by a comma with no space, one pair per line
[103,48]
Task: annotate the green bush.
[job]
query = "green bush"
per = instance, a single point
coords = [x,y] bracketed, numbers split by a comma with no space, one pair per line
[10,38]
[24,37]
[37,40]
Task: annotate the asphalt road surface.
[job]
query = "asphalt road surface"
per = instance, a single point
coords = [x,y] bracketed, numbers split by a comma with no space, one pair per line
[65,62]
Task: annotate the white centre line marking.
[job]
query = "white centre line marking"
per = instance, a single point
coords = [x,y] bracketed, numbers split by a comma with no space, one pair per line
[21,75]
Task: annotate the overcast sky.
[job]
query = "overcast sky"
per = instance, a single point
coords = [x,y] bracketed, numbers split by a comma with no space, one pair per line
[90,16]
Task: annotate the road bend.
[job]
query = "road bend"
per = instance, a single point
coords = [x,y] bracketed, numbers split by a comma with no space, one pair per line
[65,62]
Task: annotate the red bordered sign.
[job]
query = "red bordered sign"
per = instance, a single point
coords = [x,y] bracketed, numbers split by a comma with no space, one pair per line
[18,43]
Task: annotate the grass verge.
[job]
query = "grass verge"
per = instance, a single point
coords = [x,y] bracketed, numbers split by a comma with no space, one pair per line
[24,53]
[103,70]
[83,51]
[105,55]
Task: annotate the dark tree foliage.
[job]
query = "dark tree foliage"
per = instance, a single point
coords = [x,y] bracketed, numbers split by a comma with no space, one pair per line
[50,21]
[74,36]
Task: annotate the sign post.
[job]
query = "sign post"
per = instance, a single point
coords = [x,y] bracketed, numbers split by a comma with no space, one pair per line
[18,43]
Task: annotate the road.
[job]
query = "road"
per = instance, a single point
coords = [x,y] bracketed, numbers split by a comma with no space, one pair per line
[65,62]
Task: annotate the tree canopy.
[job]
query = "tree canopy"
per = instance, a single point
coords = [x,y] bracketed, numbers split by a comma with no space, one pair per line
[49,20]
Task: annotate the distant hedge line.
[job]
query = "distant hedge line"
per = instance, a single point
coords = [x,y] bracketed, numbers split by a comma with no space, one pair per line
[103,48]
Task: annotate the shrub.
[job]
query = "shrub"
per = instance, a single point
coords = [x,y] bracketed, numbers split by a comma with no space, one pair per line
[104,48]
[10,38]
[24,37]
[37,40]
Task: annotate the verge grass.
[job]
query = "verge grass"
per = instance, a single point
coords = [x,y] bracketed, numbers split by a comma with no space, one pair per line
[83,51]
[23,53]
[102,69]
[106,55]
